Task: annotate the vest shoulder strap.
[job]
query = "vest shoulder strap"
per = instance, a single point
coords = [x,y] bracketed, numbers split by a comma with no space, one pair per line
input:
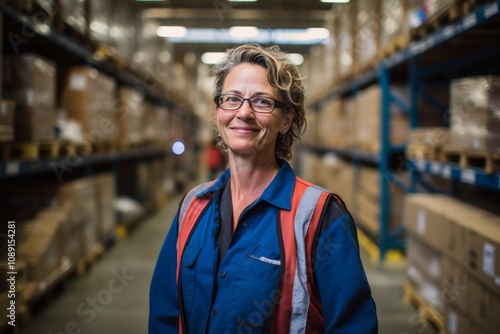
[298,297]
[190,210]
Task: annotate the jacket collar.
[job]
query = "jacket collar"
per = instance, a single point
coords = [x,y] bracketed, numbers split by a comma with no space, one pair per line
[278,193]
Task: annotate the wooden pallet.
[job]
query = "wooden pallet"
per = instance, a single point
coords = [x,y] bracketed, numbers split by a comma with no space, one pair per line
[29,150]
[42,150]
[397,44]
[489,161]
[69,148]
[423,152]
[105,147]
[431,319]
[82,266]
[445,15]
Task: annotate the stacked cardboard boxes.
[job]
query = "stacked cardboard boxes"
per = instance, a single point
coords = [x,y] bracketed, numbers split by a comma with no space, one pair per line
[333,130]
[59,224]
[6,120]
[465,243]
[30,81]
[367,200]
[366,34]
[345,46]
[368,120]
[394,21]
[130,113]
[87,96]
[105,196]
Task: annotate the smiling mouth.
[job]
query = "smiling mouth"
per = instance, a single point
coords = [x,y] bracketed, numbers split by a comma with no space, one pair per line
[244,130]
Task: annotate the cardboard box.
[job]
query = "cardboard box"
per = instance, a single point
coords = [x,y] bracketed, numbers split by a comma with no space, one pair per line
[7,112]
[394,21]
[456,237]
[30,80]
[457,322]
[79,197]
[424,218]
[455,284]
[345,46]
[40,245]
[130,110]
[484,248]
[366,34]
[368,126]
[332,121]
[6,120]
[367,201]
[105,196]
[71,245]
[87,96]
[484,306]
[425,259]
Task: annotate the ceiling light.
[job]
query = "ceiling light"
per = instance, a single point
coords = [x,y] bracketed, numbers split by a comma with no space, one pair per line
[318,33]
[150,0]
[171,31]
[296,58]
[244,32]
[334,1]
[212,57]
[242,0]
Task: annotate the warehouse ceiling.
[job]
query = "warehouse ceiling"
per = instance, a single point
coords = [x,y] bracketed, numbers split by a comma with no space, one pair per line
[223,14]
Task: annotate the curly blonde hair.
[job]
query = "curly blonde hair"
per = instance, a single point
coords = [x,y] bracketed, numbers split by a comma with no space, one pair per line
[282,75]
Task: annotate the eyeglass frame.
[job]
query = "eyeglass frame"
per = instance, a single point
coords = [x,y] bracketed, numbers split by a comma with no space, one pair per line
[277,104]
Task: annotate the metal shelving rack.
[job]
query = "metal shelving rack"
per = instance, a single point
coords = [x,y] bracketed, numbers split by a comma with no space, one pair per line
[416,64]
[29,35]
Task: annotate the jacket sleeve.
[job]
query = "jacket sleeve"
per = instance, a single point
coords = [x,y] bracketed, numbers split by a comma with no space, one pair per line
[345,294]
[163,303]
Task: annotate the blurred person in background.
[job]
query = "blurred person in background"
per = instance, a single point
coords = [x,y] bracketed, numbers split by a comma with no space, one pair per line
[260,250]
[215,160]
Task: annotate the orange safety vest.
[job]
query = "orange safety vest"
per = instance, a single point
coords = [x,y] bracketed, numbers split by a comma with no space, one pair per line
[298,308]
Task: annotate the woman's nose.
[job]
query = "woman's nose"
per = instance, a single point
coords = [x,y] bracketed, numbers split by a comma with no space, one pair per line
[245,111]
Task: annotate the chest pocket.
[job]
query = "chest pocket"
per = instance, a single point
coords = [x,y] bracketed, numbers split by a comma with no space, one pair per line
[188,276]
[254,290]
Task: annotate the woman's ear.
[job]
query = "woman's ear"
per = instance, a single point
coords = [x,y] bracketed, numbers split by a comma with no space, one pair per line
[289,115]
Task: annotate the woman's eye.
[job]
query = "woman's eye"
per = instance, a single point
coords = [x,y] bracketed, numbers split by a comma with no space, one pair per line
[262,102]
[233,99]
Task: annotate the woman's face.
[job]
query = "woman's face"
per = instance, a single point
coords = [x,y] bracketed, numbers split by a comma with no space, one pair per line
[245,132]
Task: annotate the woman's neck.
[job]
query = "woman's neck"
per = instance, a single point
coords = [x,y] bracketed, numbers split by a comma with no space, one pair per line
[249,178]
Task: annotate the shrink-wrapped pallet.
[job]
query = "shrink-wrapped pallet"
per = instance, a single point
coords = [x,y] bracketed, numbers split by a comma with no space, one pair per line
[475,113]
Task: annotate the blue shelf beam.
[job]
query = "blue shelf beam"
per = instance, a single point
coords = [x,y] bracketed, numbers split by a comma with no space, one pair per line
[472,176]
[470,21]
[17,168]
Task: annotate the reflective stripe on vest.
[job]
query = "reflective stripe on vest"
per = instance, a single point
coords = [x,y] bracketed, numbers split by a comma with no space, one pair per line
[298,290]
[298,227]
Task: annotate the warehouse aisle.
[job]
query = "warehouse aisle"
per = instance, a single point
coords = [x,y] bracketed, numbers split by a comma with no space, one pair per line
[113,296]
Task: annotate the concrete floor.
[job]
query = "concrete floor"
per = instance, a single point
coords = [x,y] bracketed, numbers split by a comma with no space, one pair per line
[89,302]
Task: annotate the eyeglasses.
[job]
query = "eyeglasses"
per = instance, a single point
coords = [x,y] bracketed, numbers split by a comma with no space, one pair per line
[259,104]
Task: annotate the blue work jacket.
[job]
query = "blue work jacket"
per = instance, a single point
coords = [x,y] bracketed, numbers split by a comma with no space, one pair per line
[236,295]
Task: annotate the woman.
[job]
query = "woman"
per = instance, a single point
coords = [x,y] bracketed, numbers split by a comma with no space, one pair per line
[260,250]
